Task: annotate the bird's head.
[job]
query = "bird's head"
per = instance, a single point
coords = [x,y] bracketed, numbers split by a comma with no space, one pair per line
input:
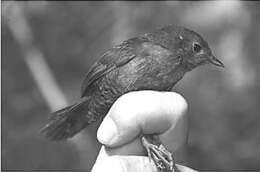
[196,50]
[192,49]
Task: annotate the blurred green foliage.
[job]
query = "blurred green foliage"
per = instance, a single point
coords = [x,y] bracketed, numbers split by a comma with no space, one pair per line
[223,104]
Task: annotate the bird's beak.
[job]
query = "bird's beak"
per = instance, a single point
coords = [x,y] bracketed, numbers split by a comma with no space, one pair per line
[213,60]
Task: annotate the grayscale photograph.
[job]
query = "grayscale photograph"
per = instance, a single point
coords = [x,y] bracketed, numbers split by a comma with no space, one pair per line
[130,86]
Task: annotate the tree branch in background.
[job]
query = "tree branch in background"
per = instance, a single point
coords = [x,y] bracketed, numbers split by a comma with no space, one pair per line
[15,18]
[41,73]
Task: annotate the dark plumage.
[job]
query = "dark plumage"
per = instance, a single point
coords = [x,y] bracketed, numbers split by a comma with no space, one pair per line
[153,61]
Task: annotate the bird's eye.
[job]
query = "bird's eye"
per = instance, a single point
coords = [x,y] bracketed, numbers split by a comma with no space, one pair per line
[196,47]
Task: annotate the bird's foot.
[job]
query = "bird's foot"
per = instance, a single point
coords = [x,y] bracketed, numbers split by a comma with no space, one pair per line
[162,158]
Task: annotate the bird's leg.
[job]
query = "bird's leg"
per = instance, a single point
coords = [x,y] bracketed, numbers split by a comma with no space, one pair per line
[162,158]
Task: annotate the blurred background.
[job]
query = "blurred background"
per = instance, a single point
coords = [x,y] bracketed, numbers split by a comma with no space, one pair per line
[48,46]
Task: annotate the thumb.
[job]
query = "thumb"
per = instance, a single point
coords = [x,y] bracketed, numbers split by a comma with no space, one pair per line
[145,112]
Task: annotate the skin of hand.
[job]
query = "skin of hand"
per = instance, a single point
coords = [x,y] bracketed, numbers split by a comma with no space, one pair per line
[136,113]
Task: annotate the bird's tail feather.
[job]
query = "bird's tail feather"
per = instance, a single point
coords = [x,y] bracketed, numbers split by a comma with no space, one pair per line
[67,122]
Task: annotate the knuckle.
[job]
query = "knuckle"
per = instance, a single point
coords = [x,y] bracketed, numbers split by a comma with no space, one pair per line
[177,103]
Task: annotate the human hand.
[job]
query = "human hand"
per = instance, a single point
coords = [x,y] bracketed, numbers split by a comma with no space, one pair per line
[136,113]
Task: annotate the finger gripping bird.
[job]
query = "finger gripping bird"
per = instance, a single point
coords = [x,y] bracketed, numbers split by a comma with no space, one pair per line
[153,61]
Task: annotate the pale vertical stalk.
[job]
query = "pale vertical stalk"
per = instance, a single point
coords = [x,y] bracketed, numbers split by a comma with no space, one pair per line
[16,21]
[18,25]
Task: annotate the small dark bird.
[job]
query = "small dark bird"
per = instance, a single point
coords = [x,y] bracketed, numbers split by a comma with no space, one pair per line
[153,61]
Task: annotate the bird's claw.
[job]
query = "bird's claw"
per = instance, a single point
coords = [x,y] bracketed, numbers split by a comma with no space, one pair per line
[162,158]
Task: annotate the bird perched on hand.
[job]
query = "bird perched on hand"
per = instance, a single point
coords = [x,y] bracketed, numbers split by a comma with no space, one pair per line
[153,61]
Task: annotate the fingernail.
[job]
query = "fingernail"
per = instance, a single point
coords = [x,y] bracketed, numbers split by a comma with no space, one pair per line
[107,131]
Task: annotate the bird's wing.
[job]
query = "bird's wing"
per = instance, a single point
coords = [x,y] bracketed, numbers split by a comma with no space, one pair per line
[112,59]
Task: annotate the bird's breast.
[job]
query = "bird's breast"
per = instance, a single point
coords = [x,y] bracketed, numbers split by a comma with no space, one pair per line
[145,73]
